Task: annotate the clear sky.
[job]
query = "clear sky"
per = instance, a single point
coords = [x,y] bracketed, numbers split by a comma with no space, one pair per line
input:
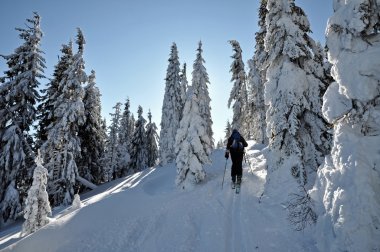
[128,42]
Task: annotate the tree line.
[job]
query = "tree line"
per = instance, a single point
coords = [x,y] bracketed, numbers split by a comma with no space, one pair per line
[63,121]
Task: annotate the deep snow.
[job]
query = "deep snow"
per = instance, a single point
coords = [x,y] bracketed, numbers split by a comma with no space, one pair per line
[147,212]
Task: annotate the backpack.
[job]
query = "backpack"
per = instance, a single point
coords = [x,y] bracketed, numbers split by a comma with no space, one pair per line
[236,145]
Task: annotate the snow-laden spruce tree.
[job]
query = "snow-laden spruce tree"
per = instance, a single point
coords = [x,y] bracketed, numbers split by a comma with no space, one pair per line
[138,147]
[199,83]
[125,134]
[241,116]
[228,131]
[91,135]
[172,108]
[62,147]
[295,126]
[256,80]
[191,142]
[111,158]
[220,144]
[45,109]
[37,206]
[19,96]
[184,83]
[151,142]
[348,185]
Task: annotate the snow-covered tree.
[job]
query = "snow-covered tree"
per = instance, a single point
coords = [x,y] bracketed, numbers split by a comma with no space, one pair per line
[92,135]
[76,202]
[151,142]
[190,144]
[125,135]
[138,147]
[37,206]
[256,80]
[256,104]
[19,96]
[62,147]
[172,108]
[220,144]
[184,83]
[111,155]
[199,83]
[45,109]
[294,118]
[228,131]
[347,189]
[295,126]
[239,95]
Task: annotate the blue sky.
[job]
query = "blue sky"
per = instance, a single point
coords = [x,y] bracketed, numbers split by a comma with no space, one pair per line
[128,42]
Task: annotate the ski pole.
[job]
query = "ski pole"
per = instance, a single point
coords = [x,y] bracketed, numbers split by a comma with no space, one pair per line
[225,167]
[249,163]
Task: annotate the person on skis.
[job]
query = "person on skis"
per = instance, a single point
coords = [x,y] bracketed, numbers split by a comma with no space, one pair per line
[235,147]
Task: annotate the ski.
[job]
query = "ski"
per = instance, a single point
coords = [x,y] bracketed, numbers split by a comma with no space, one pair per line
[237,188]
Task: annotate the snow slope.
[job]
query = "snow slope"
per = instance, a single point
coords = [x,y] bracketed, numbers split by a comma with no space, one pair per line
[147,212]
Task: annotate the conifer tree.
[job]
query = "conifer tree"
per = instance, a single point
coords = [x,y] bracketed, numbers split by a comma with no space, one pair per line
[239,92]
[125,136]
[37,206]
[45,109]
[138,146]
[199,83]
[111,156]
[295,126]
[19,96]
[152,139]
[294,115]
[220,144]
[63,145]
[184,83]
[256,80]
[228,131]
[171,109]
[190,144]
[91,134]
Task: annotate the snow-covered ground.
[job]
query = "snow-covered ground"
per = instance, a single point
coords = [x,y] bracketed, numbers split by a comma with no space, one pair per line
[147,212]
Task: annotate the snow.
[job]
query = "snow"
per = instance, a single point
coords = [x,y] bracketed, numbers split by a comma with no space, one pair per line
[147,212]
[335,104]
[347,189]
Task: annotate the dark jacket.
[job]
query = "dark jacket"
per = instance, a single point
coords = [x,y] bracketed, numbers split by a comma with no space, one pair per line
[231,139]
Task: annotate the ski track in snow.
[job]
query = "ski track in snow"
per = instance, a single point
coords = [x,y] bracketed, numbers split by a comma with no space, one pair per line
[146,212]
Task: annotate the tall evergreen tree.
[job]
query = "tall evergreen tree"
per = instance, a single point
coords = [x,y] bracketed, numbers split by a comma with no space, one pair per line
[190,144]
[151,142]
[111,155]
[228,131]
[171,109]
[239,92]
[295,126]
[125,136]
[348,185]
[17,113]
[138,146]
[91,134]
[45,109]
[199,83]
[256,80]
[184,83]
[63,145]
[294,115]
[37,207]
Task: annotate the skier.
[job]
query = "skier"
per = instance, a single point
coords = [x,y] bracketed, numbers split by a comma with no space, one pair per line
[235,146]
